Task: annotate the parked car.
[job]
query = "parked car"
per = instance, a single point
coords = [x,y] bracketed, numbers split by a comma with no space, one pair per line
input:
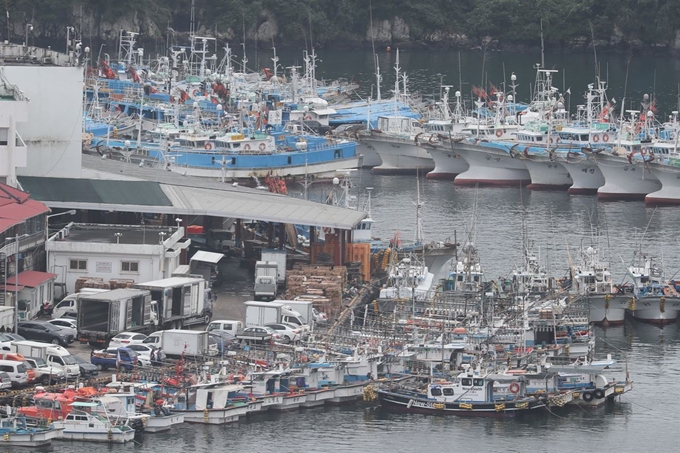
[65,325]
[69,315]
[14,336]
[86,368]
[257,334]
[288,332]
[5,381]
[126,339]
[224,341]
[17,371]
[44,331]
[64,322]
[44,372]
[111,357]
[144,350]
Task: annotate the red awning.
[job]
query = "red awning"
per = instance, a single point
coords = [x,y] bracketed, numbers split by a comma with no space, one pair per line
[31,279]
[11,288]
[23,211]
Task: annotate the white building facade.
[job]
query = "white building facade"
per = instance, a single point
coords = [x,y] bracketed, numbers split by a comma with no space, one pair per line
[114,252]
[52,126]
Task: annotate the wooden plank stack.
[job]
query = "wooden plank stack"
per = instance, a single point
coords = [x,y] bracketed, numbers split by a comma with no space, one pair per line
[323,285]
[99,283]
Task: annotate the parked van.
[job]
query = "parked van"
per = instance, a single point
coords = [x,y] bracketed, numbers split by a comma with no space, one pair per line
[55,356]
[225,325]
[14,357]
[17,371]
[69,302]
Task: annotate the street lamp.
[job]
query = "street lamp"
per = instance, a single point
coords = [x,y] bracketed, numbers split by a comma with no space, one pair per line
[70,212]
[29,27]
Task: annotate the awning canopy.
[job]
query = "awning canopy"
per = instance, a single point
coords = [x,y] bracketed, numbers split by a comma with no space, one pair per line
[32,279]
[207,257]
[124,187]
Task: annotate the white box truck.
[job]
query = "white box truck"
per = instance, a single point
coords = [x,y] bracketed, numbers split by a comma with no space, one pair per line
[55,356]
[178,301]
[266,280]
[278,257]
[174,342]
[260,313]
[304,308]
[102,316]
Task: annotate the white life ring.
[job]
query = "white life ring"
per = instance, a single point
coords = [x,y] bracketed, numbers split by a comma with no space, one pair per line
[605,137]
[208,145]
[499,133]
[246,147]
[262,146]
[596,138]
[307,118]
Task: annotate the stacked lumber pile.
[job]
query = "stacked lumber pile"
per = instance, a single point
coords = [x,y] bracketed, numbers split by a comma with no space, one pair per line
[322,285]
[100,283]
[118,283]
[91,282]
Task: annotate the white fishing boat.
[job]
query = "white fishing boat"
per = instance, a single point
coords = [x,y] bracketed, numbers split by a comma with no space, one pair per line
[278,390]
[656,301]
[585,174]
[123,405]
[626,178]
[490,164]
[447,163]
[397,143]
[83,424]
[666,168]
[592,281]
[539,157]
[408,279]
[211,404]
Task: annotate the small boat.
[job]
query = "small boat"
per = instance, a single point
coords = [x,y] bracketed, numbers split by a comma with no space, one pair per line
[470,394]
[123,403]
[83,424]
[656,301]
[592,281]
[211,404]
[14,432]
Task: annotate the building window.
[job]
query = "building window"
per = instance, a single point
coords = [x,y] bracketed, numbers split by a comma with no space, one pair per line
[78,265]
[130,266]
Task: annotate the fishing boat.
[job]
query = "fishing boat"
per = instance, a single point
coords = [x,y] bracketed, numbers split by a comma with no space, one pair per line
[490,164]
[82,423]
[211,404]
[447,163]
[123,404]
[469,394]
[656,301]
[286,387]
[666,168]
[592,281]
[14,432]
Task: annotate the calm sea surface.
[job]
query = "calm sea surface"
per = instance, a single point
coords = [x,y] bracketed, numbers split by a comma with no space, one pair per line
[645,418]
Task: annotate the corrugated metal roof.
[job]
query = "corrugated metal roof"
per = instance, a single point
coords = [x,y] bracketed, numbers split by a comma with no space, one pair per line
[159,191]
[32,279]
[141,193]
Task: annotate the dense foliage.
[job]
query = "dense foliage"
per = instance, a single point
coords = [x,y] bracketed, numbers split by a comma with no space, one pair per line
[625,23]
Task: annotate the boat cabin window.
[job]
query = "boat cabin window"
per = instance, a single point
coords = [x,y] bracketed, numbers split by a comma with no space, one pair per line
[448,391]
[43,404]
[479,382]
[467,382]
[436,391]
